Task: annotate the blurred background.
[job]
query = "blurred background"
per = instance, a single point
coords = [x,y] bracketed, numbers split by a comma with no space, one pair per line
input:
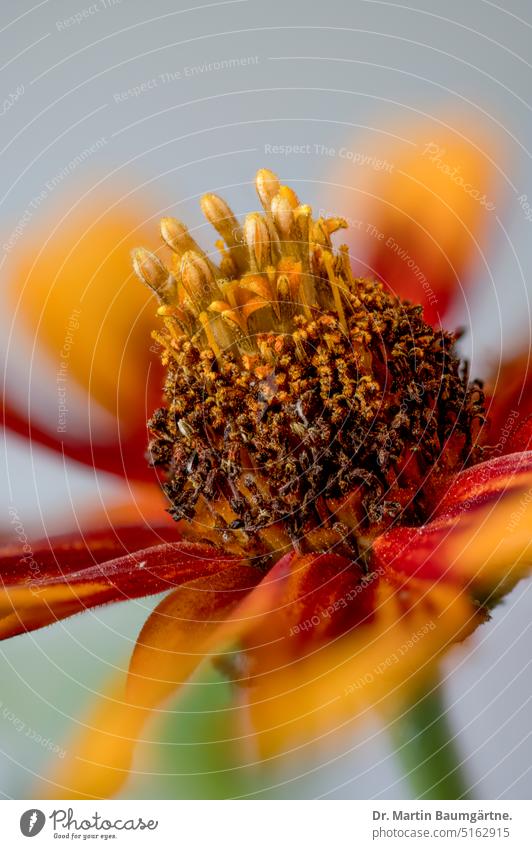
[116,112]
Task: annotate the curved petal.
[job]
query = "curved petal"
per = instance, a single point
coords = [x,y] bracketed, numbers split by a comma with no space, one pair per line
[171,644]
[482,536]
[75,297]
[304,601]
[53,582]
[486,482]
[374,667]
[209,616]
[178,634]
[421,209]
[99,758]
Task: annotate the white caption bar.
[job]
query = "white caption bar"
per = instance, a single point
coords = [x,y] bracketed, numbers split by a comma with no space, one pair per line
[266,824]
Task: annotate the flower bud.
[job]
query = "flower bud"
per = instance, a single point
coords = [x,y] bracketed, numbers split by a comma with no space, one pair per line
[222,218]
[283,215]
[197,278]
[267,185]
[176,235]
[151,271]
[257,239]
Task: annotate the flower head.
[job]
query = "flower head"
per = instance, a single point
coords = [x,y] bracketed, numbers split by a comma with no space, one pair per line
[304,407]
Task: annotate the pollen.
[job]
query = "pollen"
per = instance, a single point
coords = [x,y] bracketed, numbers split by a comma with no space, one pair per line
[303,407]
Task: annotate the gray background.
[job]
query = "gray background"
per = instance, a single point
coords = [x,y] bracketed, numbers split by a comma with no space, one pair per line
[365,67]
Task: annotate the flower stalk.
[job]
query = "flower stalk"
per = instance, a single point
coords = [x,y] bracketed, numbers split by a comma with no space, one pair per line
[426,748]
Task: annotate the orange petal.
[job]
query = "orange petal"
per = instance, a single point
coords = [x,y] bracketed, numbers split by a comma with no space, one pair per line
[77,297]
[171,644]
[137,504]
[177,635]
[98,759]
[422,209]
[303,601]
[271,623]
[482,536]
[24,609]
[374,667]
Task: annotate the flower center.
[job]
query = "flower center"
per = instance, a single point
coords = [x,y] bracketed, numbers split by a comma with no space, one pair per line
[303,407]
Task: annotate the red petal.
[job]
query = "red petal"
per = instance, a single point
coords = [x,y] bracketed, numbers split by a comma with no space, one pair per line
[521,438]
[52,584]
[509,426]
[58,556]
[303,602]
[486,482]
[110,456]
[482,535]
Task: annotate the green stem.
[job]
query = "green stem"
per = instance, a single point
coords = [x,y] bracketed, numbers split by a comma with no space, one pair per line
[424,746]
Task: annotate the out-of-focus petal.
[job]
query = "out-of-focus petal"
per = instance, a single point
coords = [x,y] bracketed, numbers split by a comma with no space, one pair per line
[374,667]
[509,395]
[179,632]
[74,294]
[98,759]
[173,641]
[122,455]
[421,210]
[135,504]
[43,587]
[302,602]
[481,537]
[77,283]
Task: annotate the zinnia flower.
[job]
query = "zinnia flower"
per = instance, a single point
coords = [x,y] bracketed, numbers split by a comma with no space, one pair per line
[340,521]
